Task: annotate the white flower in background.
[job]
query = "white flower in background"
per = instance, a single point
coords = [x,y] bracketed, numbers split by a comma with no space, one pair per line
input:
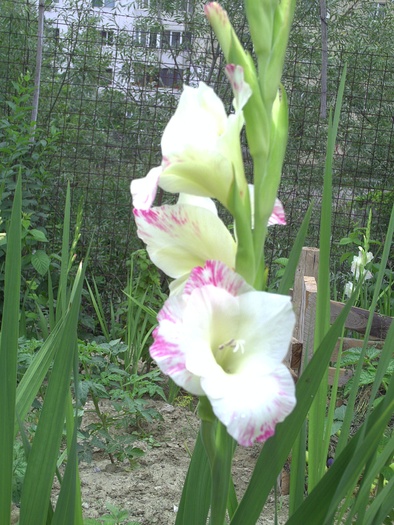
[359,263]
[224,340]
[348,289]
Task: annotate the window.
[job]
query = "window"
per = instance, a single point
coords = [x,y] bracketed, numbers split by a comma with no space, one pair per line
[141,37]
[170,77]
[103,3]
[107,37]
[171,39]
[154,40]
[145,74]
[187,40]
[142,4]
[147,38]
[187,6]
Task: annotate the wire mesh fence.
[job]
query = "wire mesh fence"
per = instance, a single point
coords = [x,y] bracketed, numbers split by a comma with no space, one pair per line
[110,81]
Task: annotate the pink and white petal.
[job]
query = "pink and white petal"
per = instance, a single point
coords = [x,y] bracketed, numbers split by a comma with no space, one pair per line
[202,202]
[144,190]
[241,89]
[250,406]
[219,274]
[180,237]
[278,214]
[168,347]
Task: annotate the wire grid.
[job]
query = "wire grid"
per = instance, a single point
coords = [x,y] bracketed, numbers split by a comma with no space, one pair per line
[110,92]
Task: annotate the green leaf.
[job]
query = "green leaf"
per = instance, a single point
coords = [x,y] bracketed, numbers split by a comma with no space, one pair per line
[8,354]
[38,235]
[195,500]
[40,261]
[288,277]
[46,443]
[317,445]
[320,506]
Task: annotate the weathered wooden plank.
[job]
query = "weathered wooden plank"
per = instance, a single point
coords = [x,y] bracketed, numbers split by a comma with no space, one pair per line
[344,375]
[307,320]
[308,265]
[358,318]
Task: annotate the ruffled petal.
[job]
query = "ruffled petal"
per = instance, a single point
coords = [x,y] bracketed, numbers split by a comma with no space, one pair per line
[250,405]
[197,122]
[278,214]
[198,172]
[200,145]
[201,202]
[180,237]
[168,347]
[218,274]
[144,190]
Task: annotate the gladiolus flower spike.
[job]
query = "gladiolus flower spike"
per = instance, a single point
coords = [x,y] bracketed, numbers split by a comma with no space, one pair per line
[224,340]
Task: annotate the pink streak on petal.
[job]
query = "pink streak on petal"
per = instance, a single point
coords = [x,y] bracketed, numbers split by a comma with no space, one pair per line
[241,89]
[251,403]
[156,218]
[278,214]
[218,274]
[144,190]
[167,350]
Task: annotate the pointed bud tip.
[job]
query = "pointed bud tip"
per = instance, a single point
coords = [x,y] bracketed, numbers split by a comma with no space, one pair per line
[215,10]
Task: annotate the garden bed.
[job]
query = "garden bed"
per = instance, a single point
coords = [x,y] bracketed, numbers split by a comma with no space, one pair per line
[150,489]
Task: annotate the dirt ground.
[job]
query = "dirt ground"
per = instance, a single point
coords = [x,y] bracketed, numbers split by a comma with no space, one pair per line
[151,491]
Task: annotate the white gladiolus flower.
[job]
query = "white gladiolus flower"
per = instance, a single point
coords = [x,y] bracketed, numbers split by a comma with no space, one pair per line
[224,340]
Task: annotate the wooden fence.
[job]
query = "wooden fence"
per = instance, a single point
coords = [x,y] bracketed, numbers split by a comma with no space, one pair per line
[304,301]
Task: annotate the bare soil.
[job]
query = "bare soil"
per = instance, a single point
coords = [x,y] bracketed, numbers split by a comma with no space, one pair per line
[150,490]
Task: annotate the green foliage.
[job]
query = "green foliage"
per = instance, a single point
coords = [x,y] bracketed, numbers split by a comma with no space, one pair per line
[103,377]
[133,318]
[26,150]
[370,364]
[23,371]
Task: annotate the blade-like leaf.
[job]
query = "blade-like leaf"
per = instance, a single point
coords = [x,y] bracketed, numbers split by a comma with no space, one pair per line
[343,475]
[368,478]
[64,269]
[8,354]
[288,277]
[45,447]
[316,449]
[221,474]
[194,504]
